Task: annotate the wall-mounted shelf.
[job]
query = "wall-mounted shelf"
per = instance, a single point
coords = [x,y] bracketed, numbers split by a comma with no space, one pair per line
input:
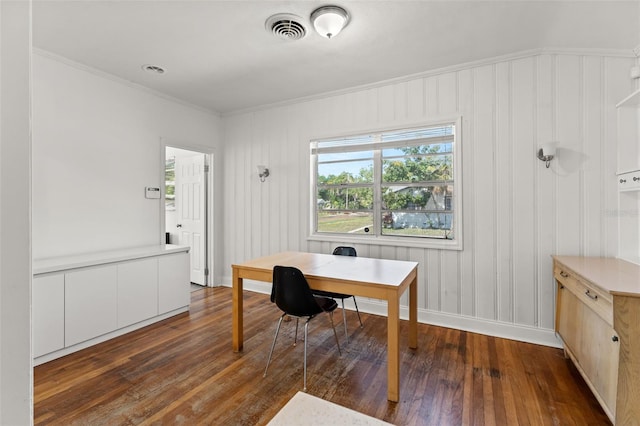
[628,177]
[628,111]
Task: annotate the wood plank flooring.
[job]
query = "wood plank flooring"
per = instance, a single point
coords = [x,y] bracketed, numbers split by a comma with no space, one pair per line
[182,371]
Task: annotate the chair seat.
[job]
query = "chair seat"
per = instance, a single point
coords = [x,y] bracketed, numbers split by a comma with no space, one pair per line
[327,304]
[331,294]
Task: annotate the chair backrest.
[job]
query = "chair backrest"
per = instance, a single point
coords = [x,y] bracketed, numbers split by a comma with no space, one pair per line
[291,292]
[345,251]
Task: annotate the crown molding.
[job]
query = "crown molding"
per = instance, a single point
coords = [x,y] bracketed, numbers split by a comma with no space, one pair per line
[624,53]
[632,53]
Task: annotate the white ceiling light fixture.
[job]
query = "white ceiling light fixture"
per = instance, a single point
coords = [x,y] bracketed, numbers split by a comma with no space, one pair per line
[329,20]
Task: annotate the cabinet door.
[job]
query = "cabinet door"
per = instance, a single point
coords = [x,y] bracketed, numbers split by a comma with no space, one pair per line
[174,284]
[569,318]
[48,314]
[90,303]
[600,359]
[137,291]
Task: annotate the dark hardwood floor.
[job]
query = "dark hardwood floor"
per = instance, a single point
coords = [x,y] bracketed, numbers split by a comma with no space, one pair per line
[182,371]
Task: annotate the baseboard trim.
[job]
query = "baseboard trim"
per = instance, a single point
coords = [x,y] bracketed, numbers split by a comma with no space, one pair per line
[505,330]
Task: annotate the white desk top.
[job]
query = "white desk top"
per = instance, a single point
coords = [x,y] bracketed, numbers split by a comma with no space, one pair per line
[384,272]
[63,263]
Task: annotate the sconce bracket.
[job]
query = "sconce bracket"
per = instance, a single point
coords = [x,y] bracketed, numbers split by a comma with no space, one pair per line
[546,158]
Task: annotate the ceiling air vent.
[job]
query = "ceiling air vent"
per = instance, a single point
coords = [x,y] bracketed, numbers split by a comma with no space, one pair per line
[286,26]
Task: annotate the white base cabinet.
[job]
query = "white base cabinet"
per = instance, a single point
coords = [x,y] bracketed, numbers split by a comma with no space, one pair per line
[138,290]
[48,314]
[78,302]
[173,289]
[90,300]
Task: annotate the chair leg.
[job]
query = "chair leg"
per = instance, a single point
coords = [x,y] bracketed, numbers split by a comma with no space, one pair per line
[295,339]
[306,328]
[273,345]
[355,303]
[334,332]
[344,320]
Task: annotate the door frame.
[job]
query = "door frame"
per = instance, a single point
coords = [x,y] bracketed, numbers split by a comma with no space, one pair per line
[209,153]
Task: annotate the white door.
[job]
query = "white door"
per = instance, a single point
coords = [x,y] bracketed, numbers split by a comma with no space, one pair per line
[190,209]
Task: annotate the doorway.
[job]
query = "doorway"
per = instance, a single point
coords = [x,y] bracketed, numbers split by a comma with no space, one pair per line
[188,207]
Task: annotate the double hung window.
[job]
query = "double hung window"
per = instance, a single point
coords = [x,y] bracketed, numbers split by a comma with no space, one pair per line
[399,185]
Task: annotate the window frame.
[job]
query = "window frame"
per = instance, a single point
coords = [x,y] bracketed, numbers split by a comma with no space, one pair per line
[376,238]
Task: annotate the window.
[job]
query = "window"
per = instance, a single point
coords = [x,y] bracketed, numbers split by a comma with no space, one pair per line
[397,186]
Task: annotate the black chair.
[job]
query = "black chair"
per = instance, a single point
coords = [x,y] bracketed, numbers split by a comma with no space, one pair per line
[342,251]
[291,293]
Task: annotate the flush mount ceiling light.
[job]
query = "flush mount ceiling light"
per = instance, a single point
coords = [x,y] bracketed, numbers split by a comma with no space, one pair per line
[329,20]
[153,69]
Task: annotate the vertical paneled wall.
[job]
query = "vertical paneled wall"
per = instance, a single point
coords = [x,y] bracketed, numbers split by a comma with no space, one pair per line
[516,212]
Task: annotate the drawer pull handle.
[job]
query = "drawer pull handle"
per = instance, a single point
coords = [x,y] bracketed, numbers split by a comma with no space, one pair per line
[614,338]
[564,274]
[623,181]
[635,179]
[591,296]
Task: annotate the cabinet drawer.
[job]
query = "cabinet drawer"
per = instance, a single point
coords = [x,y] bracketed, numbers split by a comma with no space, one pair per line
[593,297]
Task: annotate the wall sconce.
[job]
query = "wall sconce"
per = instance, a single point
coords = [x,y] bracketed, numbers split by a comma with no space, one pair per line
[263,172]
[546,153]
[329,20]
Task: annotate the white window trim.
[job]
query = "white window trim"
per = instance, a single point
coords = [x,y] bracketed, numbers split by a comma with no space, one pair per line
[386,240]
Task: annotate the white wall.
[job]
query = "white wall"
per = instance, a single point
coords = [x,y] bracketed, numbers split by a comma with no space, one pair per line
[16,376]
[517,213]
[96,146]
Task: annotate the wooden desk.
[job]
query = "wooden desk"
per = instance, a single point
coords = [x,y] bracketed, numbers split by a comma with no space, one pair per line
[360,276]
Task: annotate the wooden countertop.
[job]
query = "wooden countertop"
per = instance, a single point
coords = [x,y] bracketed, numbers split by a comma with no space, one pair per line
[616,276]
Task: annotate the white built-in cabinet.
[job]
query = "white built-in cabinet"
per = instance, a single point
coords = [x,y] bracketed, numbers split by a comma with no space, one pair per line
[48,314]
[138,289]
[90,303]
[82,300]
[628,111]
[171,271]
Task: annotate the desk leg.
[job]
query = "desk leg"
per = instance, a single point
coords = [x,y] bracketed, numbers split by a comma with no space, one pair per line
[237,311]
[393,347]
[413,313]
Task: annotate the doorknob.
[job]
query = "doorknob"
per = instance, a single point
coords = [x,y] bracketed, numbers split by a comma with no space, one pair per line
[179,225]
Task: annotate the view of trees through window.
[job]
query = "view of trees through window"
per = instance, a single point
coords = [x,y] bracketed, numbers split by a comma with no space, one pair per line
[398,184]
[170,183]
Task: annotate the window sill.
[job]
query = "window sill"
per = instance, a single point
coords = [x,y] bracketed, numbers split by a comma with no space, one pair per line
[426,243]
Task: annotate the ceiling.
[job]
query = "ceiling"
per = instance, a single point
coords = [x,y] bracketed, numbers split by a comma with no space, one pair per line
[219,56]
